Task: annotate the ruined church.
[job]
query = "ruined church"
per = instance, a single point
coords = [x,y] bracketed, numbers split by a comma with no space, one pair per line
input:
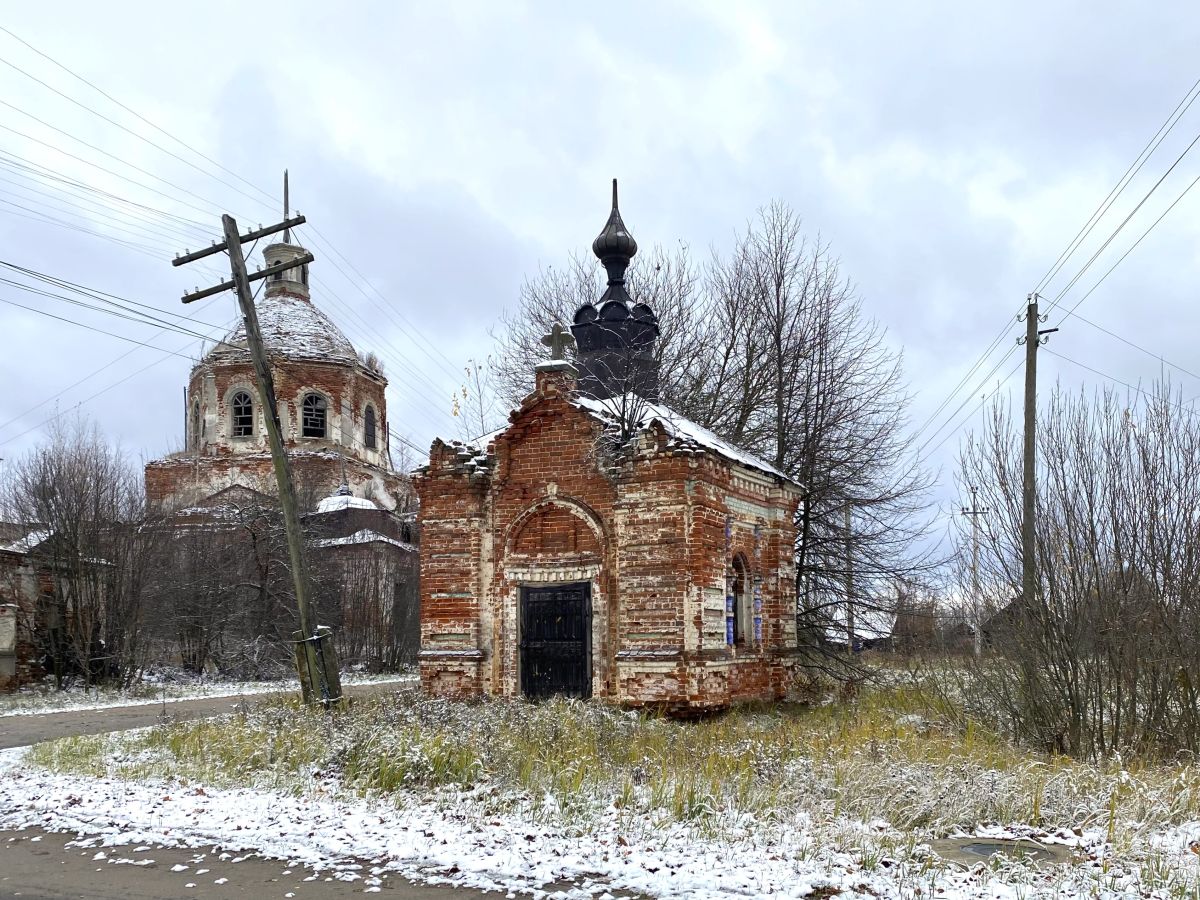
[602,544]
[332,407]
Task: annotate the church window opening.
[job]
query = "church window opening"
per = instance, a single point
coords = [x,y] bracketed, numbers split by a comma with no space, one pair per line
[196,425]
[313,416]
[369,428]
[243,415]
[737,616]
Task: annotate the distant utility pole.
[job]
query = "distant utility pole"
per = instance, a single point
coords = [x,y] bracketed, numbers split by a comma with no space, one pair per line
[976,603]
[315,657]
[1032,340]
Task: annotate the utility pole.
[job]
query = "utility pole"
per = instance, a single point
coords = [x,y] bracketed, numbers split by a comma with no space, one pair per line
[1032,340]
[976,602]
[315,657]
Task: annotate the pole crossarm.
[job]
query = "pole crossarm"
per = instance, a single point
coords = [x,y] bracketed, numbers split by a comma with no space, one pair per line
[245,238]
[261,273]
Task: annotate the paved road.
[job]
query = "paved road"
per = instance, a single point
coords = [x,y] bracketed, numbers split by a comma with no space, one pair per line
[21,731]
[38,865]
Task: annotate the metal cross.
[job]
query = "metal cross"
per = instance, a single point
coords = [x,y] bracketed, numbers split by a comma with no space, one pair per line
[558,340]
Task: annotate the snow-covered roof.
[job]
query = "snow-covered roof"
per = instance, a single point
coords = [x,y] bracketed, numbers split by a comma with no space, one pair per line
[679,428]
[293,328]
[344,501]
[364,536]
[26,543]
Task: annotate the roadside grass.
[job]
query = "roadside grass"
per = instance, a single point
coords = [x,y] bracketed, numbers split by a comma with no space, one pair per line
[880,775]
[165,687]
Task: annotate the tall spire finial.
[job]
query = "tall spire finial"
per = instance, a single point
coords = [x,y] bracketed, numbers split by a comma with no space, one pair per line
[615,246]
[287,232]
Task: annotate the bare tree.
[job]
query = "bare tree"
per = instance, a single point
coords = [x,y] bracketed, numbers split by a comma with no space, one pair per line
[1104,658]
[87,499]
[770,348]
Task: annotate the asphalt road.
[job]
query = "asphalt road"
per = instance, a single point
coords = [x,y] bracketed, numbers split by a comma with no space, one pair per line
[21,731]
[38,865]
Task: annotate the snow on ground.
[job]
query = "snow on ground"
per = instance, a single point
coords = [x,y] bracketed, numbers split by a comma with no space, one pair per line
[457,837]
[41,700]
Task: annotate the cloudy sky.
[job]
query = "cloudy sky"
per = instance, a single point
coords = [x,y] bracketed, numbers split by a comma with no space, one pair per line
[443,152]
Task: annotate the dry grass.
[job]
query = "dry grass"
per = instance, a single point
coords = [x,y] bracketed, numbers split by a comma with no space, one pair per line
[881,775]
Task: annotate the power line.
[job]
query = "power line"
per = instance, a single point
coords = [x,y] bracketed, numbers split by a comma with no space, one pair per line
[132,112]
[966,419]
[966,400]
[1125,340]
[1153,225]
[120,337]
[1136,166]
[1183,409]
[133,217]
[17,161]
[127,130]
[1169,124]
[1124,222]
[95,293]
[425,346]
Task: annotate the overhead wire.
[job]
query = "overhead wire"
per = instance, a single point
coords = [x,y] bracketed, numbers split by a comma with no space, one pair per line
[1159,136]
[395,315]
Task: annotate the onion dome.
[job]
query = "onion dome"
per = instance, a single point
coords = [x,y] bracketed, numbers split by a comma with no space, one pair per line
[615,246]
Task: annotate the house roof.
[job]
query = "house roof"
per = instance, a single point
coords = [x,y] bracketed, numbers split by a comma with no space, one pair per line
[32,538]
[363,536]
[338,502]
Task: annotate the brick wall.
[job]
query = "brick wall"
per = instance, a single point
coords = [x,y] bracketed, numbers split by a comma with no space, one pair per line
[214,459]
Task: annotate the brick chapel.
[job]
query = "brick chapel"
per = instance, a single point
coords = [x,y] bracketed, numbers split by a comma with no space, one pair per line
[602,544]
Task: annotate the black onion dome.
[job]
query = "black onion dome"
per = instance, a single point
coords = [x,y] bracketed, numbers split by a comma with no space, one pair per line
[614,311]
[615,244]
[643,313]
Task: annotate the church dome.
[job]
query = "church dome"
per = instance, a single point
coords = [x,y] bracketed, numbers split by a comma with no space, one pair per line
[292,328]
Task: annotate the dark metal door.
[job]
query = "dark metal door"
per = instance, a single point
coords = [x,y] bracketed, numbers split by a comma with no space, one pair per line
[556,640]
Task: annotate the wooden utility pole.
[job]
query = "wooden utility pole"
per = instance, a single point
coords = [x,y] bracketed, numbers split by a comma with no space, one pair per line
[315,656]
[976,602]
[1032,340]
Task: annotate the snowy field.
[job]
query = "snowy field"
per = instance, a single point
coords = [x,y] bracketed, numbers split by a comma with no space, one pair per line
[580,800]
[43,698]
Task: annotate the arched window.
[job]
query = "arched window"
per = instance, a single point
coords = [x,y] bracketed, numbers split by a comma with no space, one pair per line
[369,428]
[313,416]
[737,605]
[242,415]
[195,435]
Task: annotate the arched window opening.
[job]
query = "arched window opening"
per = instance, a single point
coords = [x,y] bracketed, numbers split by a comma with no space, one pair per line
[304,274]
[243,415]
[195,435]
[313,416]
[737,612]
[369,428]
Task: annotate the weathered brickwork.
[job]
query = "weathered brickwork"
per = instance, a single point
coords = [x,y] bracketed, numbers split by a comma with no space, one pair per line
[655,538]
[309,357]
